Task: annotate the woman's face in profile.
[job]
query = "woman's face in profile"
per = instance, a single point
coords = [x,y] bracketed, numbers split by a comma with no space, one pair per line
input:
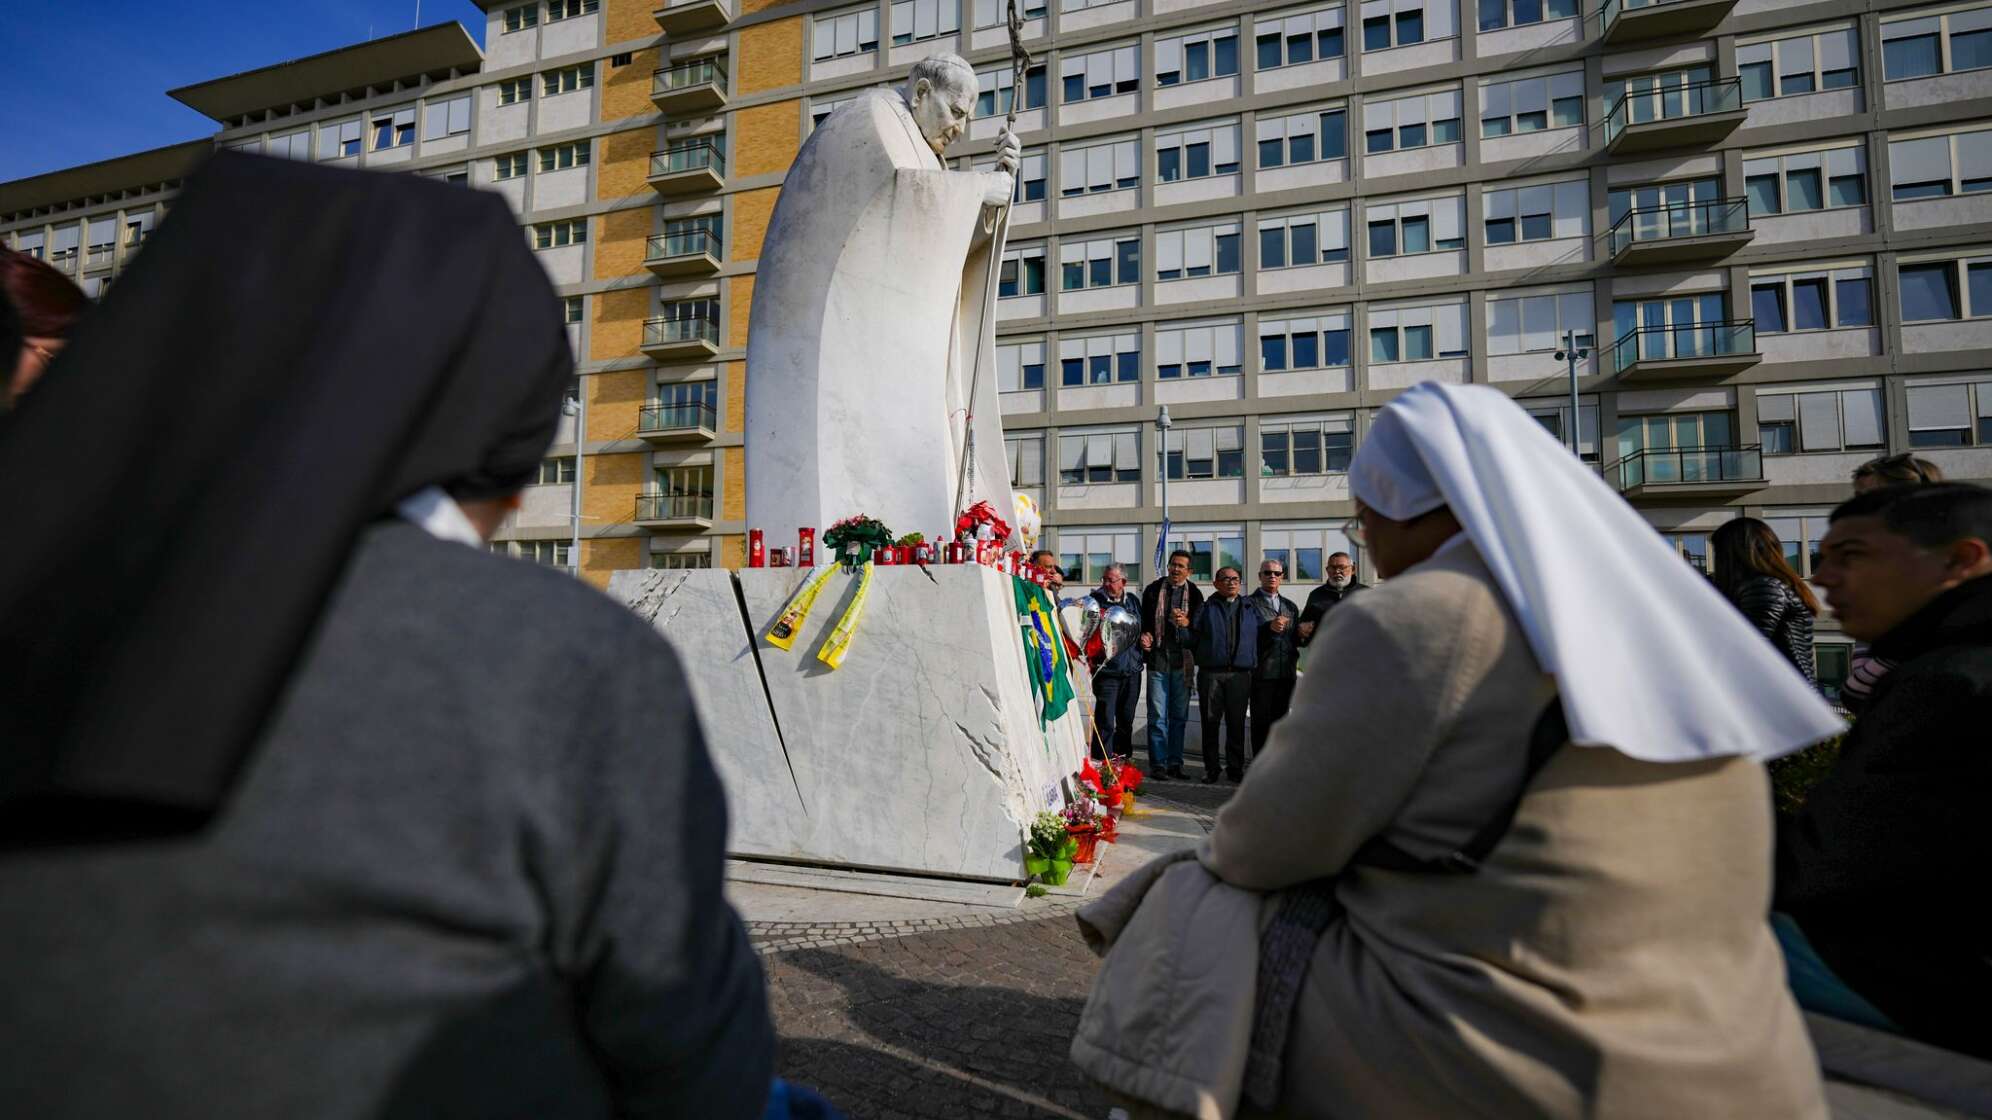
[35,356]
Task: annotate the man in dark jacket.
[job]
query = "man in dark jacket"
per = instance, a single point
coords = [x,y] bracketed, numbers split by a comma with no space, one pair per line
[1117,681]
[1226,640]
[1278,665]
[1881,875]
[1169,607]
[1340,585]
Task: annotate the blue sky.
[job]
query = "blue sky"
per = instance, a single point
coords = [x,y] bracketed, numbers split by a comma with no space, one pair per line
[87,79]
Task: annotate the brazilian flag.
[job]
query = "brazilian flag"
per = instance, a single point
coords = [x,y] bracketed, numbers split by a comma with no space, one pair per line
[1044,652]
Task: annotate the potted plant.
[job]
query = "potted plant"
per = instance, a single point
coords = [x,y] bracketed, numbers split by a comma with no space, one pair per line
[1048,855]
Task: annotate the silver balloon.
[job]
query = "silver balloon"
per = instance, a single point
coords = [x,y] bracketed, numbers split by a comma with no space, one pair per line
[1083,619]
[1119,629]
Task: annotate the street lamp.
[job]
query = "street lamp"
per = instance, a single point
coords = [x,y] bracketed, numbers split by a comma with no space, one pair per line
[575,406]
[1572,354]
[1162,425]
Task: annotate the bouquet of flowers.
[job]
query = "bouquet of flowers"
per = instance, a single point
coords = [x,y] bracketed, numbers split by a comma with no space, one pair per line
[1104,781]
[978,515]
[1124,769]
[1050,849]
[912,539]
[866,533]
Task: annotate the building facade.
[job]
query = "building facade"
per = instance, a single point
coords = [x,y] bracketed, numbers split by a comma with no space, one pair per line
[1766,224]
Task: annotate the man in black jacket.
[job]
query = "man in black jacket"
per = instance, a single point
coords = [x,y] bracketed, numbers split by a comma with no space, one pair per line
[1169,607]
[1276,671]
[1341,584]
[1226,638]
[1117,681]
[1881,875]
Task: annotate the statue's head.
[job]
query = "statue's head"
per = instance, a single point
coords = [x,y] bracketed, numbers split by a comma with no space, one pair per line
[941,92]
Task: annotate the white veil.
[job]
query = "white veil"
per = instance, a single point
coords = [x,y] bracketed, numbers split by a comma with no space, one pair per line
[1649,658]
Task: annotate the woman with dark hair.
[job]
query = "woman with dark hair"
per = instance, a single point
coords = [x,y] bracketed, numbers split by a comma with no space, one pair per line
[47,304]
[1751,571]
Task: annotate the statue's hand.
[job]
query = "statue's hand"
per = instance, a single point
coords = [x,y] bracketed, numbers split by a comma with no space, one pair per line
[1001,186]
[1007,150]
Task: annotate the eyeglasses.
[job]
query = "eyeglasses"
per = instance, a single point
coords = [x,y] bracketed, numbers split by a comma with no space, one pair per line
[1227,579]
[1274,573]
[1353,530]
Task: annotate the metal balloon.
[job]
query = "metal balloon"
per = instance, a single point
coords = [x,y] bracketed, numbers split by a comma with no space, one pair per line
[1119,628]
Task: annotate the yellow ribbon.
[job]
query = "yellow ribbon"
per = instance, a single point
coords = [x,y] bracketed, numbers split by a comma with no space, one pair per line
[788,626]
[839,641]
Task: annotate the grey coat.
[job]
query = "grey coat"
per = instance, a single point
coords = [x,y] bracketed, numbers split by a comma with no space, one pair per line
[473,870]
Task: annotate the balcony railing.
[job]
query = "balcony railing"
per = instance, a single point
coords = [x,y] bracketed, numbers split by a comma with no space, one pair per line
[673,507]
[658,416]
[693,155]
[687,75]
[1684,343]
[1678,221]
[1673,103]
[688,243]
[669,332]
[1689,466]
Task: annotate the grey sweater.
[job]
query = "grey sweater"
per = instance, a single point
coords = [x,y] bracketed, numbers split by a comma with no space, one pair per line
[473,870]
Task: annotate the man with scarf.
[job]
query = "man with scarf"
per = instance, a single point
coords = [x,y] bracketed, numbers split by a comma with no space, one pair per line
[1340,585]
[1278,666]
[314,806]
[1169,607]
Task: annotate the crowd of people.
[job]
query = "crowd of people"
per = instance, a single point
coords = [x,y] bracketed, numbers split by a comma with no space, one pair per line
[310,810]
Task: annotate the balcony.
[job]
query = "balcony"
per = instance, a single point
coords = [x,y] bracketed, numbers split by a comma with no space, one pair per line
[686,339]
[688,168]
[692,253]
[683,17]
[674,511]
[1699,113]
[1698,472]
[1675,353]
[698,86]
[1639,21]
[1688,231]
[662,422]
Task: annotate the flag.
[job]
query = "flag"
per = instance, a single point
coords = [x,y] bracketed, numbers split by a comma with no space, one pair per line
[1044,654]
[1161,547]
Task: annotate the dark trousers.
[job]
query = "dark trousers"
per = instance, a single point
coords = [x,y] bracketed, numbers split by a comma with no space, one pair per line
[1224,694]
[1115,700]
[1270,701]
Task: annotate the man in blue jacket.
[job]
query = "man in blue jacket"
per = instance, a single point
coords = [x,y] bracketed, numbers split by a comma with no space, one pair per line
[1117,680]
[1226,640]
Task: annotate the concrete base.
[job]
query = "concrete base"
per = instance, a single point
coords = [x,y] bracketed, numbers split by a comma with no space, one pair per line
[922,754]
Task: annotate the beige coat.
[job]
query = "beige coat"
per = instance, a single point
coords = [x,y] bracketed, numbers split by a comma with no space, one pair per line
[1611,958]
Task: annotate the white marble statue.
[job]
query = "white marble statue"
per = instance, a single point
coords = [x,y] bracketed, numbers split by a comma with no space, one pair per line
[872,308]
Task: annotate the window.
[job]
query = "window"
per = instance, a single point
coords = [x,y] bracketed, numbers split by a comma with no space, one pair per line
[29,244]
[1084,557]
[567,79]
[1536,323]
[1682,326]
[1099,264]
[138,226]
[1411,122]
[508,167]
[1400,23]
[1299,240]
[1675,431]
[296,145]
[623,59]
[1026,456]
[680,561]
[1417,334]
[570,9]
[1303,549]
[996,13]
[1112,166]
[1312,342]
[514,91]
[339,139]
[1102,359]
[1100,74]
[450,117]
[573,308]
[1497,14]
[1019,366]
[1918,47]
[1801,181]
[554,554]
[1204,452]
[1196,57]
[1807,63]
[1185,254]
[1307,137]
[1021,273]
[562,156]
[1934,290]
[1426,225]
[1555,417]
[1812,300]
[1789,422]
[1197,152]
[916,21]
[521,17]
[1295,39]
[1955,415]
[820,110]
[555,471]
[1936,166]
[1110,456]
[998,89]
[1210,547]
[1202,349]
[1532,104]
[1542,212]
[1030,176]
[1306,446]
[62,251]
[552,235]
[1082,5]
[841,36]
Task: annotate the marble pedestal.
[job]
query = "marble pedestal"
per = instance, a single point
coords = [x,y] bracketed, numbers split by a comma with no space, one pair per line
[923,753]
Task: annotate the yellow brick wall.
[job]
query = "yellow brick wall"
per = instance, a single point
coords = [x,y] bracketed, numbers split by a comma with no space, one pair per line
[740,305]
[623,20]
[749,7]
[612,554]
[618,329]
[627,92]
[610,484]
[766,138]
[733,497]
[613,401]
[770,56]
[752,210]
[733,378]
[732,551]
[623,163]
[620,242]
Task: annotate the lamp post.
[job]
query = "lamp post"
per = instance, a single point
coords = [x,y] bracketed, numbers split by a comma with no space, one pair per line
[577,407]
[1162,425]
[1572,354]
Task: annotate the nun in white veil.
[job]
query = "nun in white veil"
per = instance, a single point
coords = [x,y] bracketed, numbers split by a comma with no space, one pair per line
[1574,931]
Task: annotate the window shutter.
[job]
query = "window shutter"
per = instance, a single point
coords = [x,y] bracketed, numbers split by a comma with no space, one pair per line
[1224,144]
[1168,55]
[1099,449]
[1449,328]
[1536,200]
[1917,161]
[1335,229]
[1126,67]
[1836,48]
[1775,407]
[1567,85]
[1532,96]
[1071,168]
[1443,105]
[1202,443]
[435,119]
[1410,110]
[1504,326]
[1127,454]
[1100,346]
[1272,128]
[1072,66]
[847,35]
[1169,347]
[1196,248]
[1231,439]
[1446,217]
[1008,379]
[868,27]
[1572,209]
[1497,99]
[1227,338]
[1939,406]
[1100,68]
[1100,167]
[1378,114]
[1903,29]
[1169,250]
[1755,52]
[1198,346]
[1380,212]
[1977,19]
[1819,421]
[1862,408]
[1299,25]
[1795,55]
[1072,252]
[1539,323]
[1496,205]
[1974,154]
[1124,160]
[1071,348]
[1574,313]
